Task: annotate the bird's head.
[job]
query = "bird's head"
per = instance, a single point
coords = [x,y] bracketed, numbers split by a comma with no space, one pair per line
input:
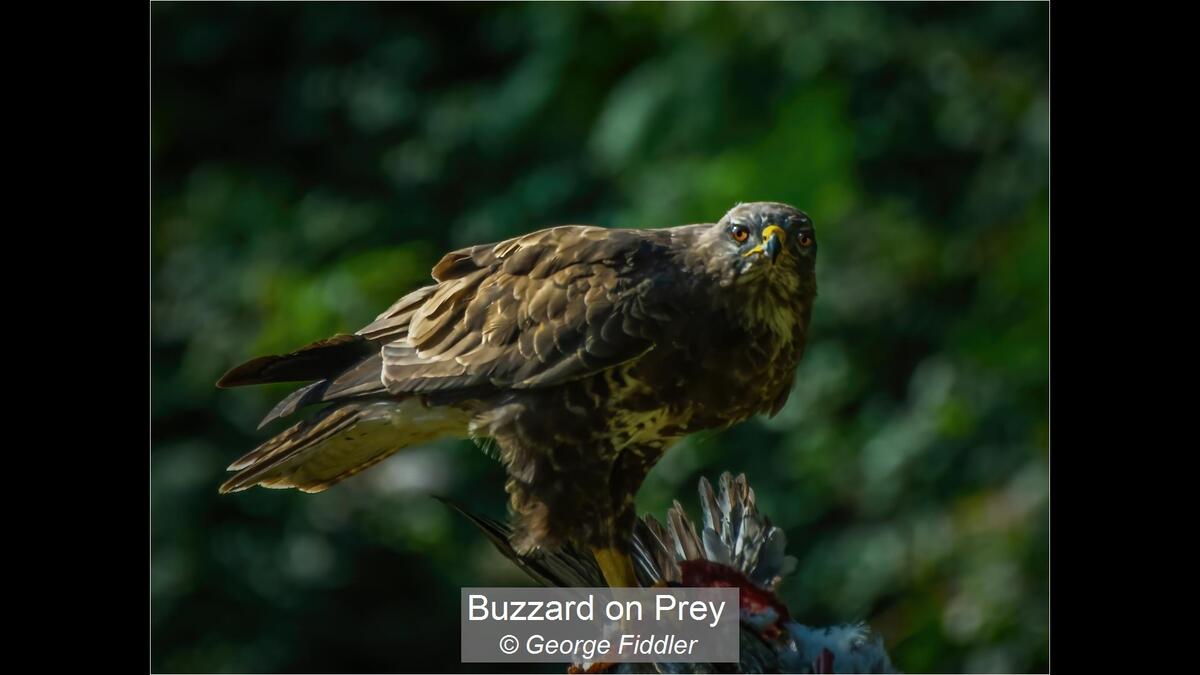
[767,238]
[762,251]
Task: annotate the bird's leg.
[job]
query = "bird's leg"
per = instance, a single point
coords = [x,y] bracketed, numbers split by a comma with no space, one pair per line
[617,567]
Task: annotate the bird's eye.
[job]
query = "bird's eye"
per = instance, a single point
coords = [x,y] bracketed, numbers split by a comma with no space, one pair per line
[740,233]
[806,240]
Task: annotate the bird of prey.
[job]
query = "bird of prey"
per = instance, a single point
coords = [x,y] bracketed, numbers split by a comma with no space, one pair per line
[736,547]
[580,354]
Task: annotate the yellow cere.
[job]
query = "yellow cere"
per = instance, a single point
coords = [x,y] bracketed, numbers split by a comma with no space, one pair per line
[775,229]
[771,229]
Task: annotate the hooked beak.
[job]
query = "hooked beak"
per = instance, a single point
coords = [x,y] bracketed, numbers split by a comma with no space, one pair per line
[773,240]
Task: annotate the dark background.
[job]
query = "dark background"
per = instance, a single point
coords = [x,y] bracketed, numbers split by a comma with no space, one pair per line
[311,162]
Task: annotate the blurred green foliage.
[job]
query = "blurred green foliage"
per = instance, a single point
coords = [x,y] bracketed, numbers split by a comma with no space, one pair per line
[312,161]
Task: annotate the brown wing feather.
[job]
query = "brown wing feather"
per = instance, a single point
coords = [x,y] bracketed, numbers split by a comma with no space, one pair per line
[533,311]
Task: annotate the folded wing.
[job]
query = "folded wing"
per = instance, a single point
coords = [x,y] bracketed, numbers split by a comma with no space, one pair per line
[535,311]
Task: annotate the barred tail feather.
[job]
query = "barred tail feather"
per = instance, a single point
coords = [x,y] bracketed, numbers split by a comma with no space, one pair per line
[341,441]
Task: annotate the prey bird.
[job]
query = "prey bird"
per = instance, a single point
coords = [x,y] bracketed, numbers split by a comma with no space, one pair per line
[735,547]
[579,354]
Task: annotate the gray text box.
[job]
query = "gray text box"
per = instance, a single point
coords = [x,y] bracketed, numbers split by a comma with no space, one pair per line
[606,625]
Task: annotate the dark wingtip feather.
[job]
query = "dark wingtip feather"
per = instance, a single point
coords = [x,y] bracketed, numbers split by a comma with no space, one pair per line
[316,361]
[247,373]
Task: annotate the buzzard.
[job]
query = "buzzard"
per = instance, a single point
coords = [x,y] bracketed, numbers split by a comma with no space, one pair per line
[579,354]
